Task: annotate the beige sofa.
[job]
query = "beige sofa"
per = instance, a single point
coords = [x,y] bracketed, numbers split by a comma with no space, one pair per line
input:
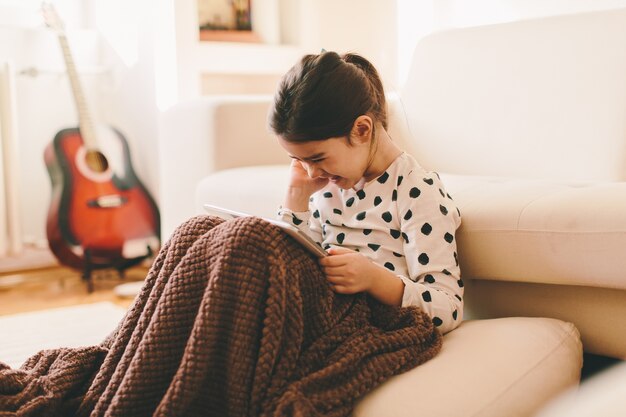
[526,123]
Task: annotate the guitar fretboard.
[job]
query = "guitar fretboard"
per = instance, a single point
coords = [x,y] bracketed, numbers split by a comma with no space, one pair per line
[85,122]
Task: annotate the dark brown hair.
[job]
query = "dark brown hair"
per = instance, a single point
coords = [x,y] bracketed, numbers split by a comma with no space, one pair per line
[322,95]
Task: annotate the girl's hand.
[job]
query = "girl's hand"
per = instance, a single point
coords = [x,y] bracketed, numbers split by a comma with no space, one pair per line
[349,272]
[299,178]
[301,187]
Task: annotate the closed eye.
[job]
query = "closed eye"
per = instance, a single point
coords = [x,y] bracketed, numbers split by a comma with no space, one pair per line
[309,160]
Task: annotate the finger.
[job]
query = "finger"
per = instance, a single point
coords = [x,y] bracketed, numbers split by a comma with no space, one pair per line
[333,271]
[335,279]
[340,289]
[335,250]
[333,261]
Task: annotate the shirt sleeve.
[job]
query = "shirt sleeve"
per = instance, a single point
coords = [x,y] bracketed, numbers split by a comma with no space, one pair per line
[429,220]
[303,220]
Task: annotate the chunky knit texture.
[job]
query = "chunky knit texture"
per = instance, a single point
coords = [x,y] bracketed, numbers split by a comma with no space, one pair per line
[234,319]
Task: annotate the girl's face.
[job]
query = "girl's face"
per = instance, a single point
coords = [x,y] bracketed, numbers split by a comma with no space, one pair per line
[341,161]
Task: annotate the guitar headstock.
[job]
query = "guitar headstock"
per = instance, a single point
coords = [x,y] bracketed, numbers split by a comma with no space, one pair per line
[51,17]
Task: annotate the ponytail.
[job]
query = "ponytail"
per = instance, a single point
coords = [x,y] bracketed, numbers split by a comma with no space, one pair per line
[379,110]
[322,95]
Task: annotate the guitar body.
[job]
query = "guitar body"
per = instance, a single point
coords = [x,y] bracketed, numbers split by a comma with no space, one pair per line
[98,217]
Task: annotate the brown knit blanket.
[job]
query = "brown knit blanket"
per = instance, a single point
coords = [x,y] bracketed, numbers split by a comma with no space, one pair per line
[234,319]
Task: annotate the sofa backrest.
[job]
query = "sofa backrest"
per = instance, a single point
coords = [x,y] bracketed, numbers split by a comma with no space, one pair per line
[542,98]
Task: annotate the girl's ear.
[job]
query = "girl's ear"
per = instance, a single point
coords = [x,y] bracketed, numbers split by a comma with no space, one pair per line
[362,129]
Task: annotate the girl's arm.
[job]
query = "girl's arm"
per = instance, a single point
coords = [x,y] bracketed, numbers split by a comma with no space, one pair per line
[295,209]
[434,281]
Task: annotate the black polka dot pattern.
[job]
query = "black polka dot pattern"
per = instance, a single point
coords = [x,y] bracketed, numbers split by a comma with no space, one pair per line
[373,246]
[404,221]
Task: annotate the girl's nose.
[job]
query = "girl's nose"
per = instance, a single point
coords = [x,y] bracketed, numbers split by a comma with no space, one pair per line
[313,171]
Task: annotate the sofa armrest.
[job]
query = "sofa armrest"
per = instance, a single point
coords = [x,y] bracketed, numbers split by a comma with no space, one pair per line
[205,135]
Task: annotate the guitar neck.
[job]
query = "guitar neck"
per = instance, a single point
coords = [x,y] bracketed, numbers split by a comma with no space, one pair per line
[85,122]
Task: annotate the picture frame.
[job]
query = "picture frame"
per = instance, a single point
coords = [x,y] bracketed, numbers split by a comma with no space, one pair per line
[226,21]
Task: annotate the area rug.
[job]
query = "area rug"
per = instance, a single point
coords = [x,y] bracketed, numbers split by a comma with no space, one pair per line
[24,334]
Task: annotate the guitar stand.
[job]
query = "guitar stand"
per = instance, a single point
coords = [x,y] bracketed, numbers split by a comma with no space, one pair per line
[120,266]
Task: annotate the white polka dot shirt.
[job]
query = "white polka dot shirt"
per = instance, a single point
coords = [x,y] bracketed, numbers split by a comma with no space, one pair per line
[403,220]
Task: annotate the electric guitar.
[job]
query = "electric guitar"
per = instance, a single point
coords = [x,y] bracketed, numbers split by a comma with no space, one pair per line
[100,213]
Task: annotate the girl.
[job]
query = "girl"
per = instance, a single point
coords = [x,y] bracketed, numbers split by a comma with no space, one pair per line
[388,225]
[232,321]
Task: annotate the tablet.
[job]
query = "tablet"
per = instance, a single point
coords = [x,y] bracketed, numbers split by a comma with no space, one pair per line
[300,236]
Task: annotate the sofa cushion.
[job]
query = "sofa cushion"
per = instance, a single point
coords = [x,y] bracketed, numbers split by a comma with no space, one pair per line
[486,368]
[537,98]
[541,231]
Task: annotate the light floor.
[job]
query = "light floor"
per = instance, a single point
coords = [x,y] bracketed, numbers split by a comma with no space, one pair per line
[40,289]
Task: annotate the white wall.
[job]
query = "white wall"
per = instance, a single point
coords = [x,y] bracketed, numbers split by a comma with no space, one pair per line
[128,96]
[44,103]
[367,27]
[306,26]
[118,92]
[459,13]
